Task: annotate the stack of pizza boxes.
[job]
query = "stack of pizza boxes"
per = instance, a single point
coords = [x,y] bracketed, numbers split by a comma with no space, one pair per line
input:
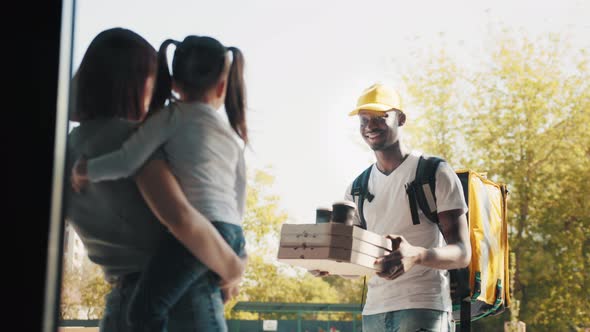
[333,243]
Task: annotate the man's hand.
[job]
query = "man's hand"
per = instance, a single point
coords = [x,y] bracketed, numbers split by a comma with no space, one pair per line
[402,258]
[79,176]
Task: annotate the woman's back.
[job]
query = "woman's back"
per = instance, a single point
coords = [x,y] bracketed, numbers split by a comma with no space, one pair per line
[116,226]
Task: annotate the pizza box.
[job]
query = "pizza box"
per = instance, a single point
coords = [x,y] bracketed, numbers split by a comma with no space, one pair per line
[334,235]
[336,248]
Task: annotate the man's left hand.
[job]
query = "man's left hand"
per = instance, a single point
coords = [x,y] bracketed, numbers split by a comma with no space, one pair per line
[402,258]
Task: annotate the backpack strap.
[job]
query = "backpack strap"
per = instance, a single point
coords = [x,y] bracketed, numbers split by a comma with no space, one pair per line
[465,316]
[421,191]
[360,189]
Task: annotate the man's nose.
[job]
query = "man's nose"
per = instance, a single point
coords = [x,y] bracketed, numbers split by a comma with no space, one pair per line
[373,123]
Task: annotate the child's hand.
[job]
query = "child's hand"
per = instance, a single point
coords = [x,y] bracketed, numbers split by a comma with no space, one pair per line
[79,176]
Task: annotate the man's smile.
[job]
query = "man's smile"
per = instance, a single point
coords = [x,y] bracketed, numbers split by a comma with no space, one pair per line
[373,135]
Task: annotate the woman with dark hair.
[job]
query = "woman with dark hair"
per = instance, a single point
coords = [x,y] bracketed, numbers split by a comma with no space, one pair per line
[206,157]
[111,92]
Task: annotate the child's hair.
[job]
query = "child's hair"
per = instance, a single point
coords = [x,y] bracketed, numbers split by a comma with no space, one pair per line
[197,66]
[112,76]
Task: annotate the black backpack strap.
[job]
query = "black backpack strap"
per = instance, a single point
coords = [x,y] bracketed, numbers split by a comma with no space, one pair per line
[411,191]
[360,189]
[465,315]
[421,191]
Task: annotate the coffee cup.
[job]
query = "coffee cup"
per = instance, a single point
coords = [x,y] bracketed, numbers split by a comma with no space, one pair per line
[343,212]
[323,215]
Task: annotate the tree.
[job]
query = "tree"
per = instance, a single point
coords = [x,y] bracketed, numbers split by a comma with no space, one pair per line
[71,297]
[94,288]
[525,121]
[530,127]
[83,291]
[435,94]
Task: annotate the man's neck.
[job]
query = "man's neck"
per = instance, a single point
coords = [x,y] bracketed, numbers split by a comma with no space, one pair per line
[391,157]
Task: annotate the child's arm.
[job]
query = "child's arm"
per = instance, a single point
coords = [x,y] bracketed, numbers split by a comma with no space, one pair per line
[154,132]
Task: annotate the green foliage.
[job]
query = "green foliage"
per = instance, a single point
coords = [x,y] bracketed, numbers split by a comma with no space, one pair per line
[82,291]
[94,289]
[524,119]
[263,218]
[433,93]
[269,281]
[71,297]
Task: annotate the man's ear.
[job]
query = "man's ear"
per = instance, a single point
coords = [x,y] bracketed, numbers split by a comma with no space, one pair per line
[401,118]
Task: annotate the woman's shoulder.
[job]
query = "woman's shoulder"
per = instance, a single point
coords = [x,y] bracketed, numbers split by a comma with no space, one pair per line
[100,136]
[104,126]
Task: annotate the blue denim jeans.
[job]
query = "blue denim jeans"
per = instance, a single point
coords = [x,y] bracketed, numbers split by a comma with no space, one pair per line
[409,320]
[114,318]
[187,315]
[175,283]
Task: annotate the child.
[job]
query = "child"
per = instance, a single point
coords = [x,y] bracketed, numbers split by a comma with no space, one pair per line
[208,161]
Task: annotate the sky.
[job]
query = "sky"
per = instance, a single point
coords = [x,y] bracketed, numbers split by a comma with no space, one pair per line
[308,61]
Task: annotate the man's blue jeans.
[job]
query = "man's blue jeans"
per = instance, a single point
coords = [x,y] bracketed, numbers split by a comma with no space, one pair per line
[409,320]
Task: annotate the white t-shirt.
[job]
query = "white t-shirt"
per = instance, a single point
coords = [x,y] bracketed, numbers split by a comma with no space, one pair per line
[389,213]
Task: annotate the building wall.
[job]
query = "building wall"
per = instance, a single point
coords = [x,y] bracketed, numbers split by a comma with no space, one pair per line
[73,248]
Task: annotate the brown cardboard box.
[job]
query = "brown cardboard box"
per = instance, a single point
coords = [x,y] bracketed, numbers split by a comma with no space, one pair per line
[336,248]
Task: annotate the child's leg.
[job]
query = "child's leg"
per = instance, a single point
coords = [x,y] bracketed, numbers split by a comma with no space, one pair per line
[234,236]
[169,274]
[164,280]
[201,307]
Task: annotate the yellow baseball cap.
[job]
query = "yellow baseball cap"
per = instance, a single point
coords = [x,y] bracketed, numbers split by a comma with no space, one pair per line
[378,97]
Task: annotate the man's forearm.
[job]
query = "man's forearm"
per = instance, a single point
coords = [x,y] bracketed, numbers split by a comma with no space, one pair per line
[452,256]
[457,253]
